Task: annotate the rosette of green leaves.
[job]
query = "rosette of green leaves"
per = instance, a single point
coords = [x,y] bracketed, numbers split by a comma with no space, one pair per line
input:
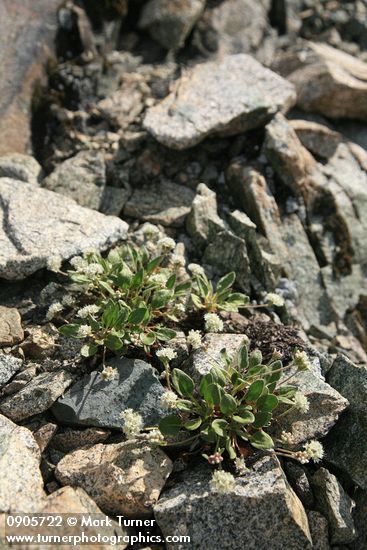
[136,297]
[233,404]
[205,296]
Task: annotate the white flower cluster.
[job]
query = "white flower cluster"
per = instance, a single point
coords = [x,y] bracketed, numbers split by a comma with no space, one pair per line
[216,458]
[68,300]
[287,438]
[54,263]
[158,278]
[301,360]
[108,374]
[133,423]
[196,269]
[177,261]
[166,244]
[155,437]
[313,450]
[241,467]
[150,231]
[194,339]
[84,331]
[168,400]
[222,482]
[166,354]
[78,263]
[213,323]
[87,311]
[300,402]
[93,269]
[274,299]
[54,310]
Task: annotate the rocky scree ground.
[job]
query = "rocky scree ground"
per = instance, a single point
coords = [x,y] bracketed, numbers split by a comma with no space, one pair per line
[238,129]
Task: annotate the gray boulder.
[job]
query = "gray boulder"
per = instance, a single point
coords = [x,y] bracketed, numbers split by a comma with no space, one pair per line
[21,484]
[11,331]
[95,402]
[82,178]
[170,21]
[350,380]
[20,167]
[261,508]
[37,224]
[9,365]
[335,505]
[203,222]
[222,97]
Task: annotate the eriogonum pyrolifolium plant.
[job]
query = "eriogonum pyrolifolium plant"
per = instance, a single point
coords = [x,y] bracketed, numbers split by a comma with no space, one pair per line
[235,404]
[134,297]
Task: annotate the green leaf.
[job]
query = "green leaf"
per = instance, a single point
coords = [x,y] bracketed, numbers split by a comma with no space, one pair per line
[213,394]
[147,339]
[255,390]
[196,301]
[228,404]
[193,424]
[182,288]
[238,299]
[243,357]
[261,440]
[136,317]
[208,434]
[153,264]
[226,282]
[108,288]
[113,342]
[164,334]
[218,375]
[69,330]
[230,450]
[183,383]
[171,282]
[161,298]
[288,391]
[137,279]
[246,418]
[203,285]
[220,427]
[255,358]
[170,425]
[267,403]
[262,419]
[184,405]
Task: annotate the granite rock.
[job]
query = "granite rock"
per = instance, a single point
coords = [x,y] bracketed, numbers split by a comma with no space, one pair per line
[20,167]
[261,507]
[203,222]
[21,484]
[95,402]
[334,503]
[38,223]
[351,381]
[123,478]
[82,178]
[228,96]
[11,331]
[9,365]
[37,396]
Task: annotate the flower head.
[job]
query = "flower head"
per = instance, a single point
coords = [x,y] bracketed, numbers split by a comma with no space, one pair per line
[87,311]
[166,354]
[215,458]
[108,373]
[78,263]
[93,269]
[155,437]
[166,244]
[196,269]
[274,299]
[314,450]
[301,361]
[150,231]
[158,278]
[54,263]
[222,482]
[302,457]
[84,331]
[241,466]
[168,400]
[287,438]
[68,300]
[177,261]
[194,339]
[301,402]
[213,323]
[133,423]
[53,310]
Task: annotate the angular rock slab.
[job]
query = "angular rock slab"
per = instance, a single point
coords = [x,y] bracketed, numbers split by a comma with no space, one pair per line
[327,80]
[37,396]
[350,380]
[37,223]
[223,97]
[11,331]
[21,484]
[20,167]
[326,404]
[123,478]
[261,508]
[9,365]
[95,402]
[203,359]
[336,506]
